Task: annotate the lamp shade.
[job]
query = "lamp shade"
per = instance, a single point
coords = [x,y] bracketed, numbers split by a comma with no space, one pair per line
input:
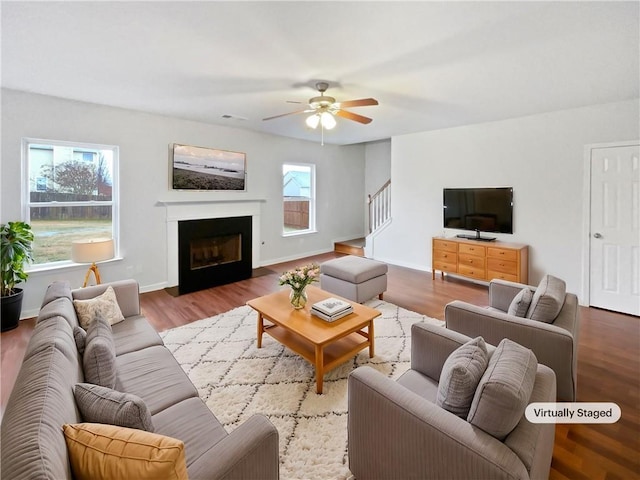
[313,120]
[327,120]
[91,251]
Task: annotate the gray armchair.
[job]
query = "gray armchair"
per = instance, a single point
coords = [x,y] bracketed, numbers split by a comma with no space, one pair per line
[396,431]
[555,344]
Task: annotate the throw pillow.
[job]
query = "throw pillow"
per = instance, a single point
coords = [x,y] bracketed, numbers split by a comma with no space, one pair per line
[504,390]
[103,405]
[105,305]
[520,303]
[460,375]
[80,336]
[99,358]
[98,451]
[548,299]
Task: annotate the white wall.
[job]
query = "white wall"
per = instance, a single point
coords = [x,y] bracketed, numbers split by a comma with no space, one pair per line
[377,171]
[144,180]
[540,156]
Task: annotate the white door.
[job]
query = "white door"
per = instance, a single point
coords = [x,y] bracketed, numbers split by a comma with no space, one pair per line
[615,229]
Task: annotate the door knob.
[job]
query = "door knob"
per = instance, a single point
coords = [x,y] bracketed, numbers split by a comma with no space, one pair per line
[597,235]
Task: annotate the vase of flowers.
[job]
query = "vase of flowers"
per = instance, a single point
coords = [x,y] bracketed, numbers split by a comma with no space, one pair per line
[298,279]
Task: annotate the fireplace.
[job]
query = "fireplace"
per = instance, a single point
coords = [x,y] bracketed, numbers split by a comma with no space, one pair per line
[213,251]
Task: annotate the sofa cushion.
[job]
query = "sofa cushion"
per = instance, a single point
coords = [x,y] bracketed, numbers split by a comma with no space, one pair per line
[135,333]
[127,294]
[103,405]
[192,422]
[460,376]
[98,451]
[547,300]
[154,375]
[60,307]
[106,305]
[504,390]
[58,289]
[99,357]
[40,403]
[520,304]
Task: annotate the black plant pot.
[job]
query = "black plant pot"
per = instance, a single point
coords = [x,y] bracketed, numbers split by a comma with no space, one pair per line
[11,309]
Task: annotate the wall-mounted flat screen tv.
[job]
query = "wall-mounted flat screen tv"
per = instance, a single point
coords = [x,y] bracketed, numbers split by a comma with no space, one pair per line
[483,209]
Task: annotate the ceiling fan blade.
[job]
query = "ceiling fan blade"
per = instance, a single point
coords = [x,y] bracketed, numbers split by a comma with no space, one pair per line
[363,102]
[353,116]
[286,114]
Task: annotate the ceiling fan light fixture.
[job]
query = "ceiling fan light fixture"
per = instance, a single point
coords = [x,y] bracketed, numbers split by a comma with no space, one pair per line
[328,121]
[312,121]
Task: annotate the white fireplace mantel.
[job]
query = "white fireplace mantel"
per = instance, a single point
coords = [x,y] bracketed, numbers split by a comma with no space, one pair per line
[179,208]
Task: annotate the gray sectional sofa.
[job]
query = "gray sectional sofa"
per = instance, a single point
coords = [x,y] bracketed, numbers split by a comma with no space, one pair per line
[33,444]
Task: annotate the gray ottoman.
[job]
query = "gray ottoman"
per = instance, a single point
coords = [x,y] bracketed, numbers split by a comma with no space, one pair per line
[355,278]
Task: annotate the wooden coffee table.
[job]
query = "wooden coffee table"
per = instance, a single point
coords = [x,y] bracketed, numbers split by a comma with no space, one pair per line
[325,344]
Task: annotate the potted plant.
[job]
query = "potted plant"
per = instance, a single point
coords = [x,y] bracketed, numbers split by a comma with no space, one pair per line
[16,249]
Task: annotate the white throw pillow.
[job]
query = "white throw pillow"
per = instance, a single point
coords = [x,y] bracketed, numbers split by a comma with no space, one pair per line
[105,305]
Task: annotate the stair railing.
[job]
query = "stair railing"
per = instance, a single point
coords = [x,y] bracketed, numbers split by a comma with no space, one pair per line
[380,207]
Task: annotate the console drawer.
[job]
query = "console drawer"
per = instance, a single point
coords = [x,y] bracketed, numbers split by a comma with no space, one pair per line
[504,266]
[471,249]
[445,245]
[471,260]
[445,256]
[469,271]
[502,276]
[504,253]
[445,266]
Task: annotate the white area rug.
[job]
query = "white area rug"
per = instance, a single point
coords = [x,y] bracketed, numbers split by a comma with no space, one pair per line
[237,380]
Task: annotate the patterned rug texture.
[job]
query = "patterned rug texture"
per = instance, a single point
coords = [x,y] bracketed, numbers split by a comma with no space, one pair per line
[237,380]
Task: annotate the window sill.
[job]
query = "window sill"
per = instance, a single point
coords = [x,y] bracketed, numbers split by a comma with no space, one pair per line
[61,266]
[296,234]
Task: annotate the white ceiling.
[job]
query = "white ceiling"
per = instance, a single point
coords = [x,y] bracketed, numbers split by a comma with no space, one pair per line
[431,65]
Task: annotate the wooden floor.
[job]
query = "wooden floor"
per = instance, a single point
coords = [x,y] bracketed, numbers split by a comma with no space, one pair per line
[608,358]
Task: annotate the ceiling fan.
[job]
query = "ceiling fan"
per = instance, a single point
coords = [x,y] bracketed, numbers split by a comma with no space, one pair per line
[324,108]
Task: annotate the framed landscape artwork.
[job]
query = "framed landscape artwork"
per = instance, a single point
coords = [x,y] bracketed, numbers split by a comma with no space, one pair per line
[201,168]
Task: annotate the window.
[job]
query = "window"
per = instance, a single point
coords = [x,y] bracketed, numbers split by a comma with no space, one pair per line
[298,192]
[70,193]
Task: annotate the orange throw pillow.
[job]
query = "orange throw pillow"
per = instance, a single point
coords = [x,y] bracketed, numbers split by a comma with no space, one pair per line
[99,451]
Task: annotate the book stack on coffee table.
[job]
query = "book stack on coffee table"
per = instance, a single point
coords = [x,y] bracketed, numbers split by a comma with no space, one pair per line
[331,309]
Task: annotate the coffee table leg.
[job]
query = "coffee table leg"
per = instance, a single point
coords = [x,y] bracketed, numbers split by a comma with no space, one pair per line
[260,329]
[319,368]
[371,339]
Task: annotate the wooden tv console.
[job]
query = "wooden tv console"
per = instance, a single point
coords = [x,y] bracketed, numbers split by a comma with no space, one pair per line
[480,260]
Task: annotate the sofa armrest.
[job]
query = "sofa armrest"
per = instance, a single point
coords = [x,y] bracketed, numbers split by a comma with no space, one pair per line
[501,293]
[395,433]
[431,345]
[251,451]
[127,293]
[553,346]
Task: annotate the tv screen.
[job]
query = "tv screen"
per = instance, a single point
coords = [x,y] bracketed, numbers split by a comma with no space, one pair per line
[483,209]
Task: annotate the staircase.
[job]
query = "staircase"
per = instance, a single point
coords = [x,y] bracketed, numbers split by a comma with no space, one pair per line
[379,217]
[350,247]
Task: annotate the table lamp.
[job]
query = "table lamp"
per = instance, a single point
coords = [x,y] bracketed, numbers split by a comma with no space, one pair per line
[92,251]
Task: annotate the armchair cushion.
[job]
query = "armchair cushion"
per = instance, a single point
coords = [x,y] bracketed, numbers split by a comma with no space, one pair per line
[521,302]
[504,390]
[460,376]
[548,299]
